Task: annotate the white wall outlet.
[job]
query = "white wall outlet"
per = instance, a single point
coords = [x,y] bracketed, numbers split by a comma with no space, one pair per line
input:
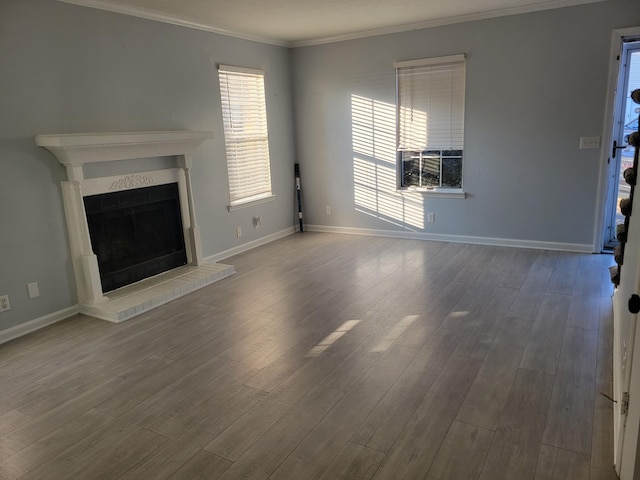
[589,142]
[328,209]
[238,232]
[4,303]
[257,221]
[431,217]
[33,290]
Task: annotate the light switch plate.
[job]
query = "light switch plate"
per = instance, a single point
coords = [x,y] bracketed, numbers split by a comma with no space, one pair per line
[33,290]
[589,142]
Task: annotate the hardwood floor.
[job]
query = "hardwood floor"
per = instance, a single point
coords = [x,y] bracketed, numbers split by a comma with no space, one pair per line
[330,357]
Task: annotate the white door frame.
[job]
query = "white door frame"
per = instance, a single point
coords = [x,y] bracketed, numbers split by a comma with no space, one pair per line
[607,132]
[626,361]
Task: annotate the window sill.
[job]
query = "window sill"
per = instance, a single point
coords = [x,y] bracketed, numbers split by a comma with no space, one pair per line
[435,192]
[250,202]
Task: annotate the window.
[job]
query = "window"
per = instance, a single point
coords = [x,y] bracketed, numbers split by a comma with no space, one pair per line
[430,122]
[244,115]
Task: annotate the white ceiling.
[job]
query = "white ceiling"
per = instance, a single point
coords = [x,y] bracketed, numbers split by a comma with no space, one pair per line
[308,22]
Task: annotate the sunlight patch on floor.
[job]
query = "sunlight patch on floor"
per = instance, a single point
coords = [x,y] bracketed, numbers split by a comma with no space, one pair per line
[395,332]
[332,338]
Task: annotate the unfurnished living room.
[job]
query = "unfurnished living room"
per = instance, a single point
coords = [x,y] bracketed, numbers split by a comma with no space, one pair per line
[319,240]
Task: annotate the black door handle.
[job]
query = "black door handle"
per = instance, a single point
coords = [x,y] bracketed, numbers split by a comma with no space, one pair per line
[617,147]
[634,303]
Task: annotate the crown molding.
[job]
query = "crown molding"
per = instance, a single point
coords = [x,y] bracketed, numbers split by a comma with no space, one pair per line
[173,20]
[439,22]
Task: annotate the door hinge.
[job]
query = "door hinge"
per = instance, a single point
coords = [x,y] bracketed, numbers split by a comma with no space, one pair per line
[624,405]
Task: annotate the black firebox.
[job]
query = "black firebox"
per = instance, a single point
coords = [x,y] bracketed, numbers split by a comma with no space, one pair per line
[136,233]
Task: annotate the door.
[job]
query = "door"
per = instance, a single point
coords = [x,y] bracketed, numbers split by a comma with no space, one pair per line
[626,374]
[626,385]
[625,121]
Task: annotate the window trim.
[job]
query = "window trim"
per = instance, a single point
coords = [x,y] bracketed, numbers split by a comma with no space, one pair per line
[441,192]
[435,192]
[235,69]
[250,202]
[423,62]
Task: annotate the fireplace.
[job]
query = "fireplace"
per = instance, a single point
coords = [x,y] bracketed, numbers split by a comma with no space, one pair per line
[133,236]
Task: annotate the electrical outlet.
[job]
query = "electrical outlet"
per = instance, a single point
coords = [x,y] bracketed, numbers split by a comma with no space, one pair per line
[328,209]
[32,289]
[257,221]
[238,232]
[431,217]
[4,303]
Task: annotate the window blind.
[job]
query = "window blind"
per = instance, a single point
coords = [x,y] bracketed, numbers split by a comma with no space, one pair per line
[245,132]
[431,103]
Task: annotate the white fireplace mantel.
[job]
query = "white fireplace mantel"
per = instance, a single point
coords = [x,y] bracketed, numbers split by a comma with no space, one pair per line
[75,150]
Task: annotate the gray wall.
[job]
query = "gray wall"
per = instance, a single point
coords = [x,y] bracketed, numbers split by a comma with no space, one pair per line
[69,69]
[535,84]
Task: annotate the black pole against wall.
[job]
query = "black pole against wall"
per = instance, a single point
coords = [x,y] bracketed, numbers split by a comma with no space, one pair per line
[299,195]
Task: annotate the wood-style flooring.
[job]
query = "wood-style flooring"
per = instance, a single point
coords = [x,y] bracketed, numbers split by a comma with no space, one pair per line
[330,357]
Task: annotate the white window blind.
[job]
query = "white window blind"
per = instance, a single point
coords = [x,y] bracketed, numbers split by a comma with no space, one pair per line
[430,109]
[431,103]
[245,133]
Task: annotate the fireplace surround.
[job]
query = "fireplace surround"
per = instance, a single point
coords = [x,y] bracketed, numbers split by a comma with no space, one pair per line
[75,151]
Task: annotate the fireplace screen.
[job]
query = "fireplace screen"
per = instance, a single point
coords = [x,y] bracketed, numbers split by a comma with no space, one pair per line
[136,233]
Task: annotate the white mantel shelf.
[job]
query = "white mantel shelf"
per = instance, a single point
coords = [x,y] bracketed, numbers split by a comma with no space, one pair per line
[76,149]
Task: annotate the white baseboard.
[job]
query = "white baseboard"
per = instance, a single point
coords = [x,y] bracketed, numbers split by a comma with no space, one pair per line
[250,245]
[37,323]
[500,242]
